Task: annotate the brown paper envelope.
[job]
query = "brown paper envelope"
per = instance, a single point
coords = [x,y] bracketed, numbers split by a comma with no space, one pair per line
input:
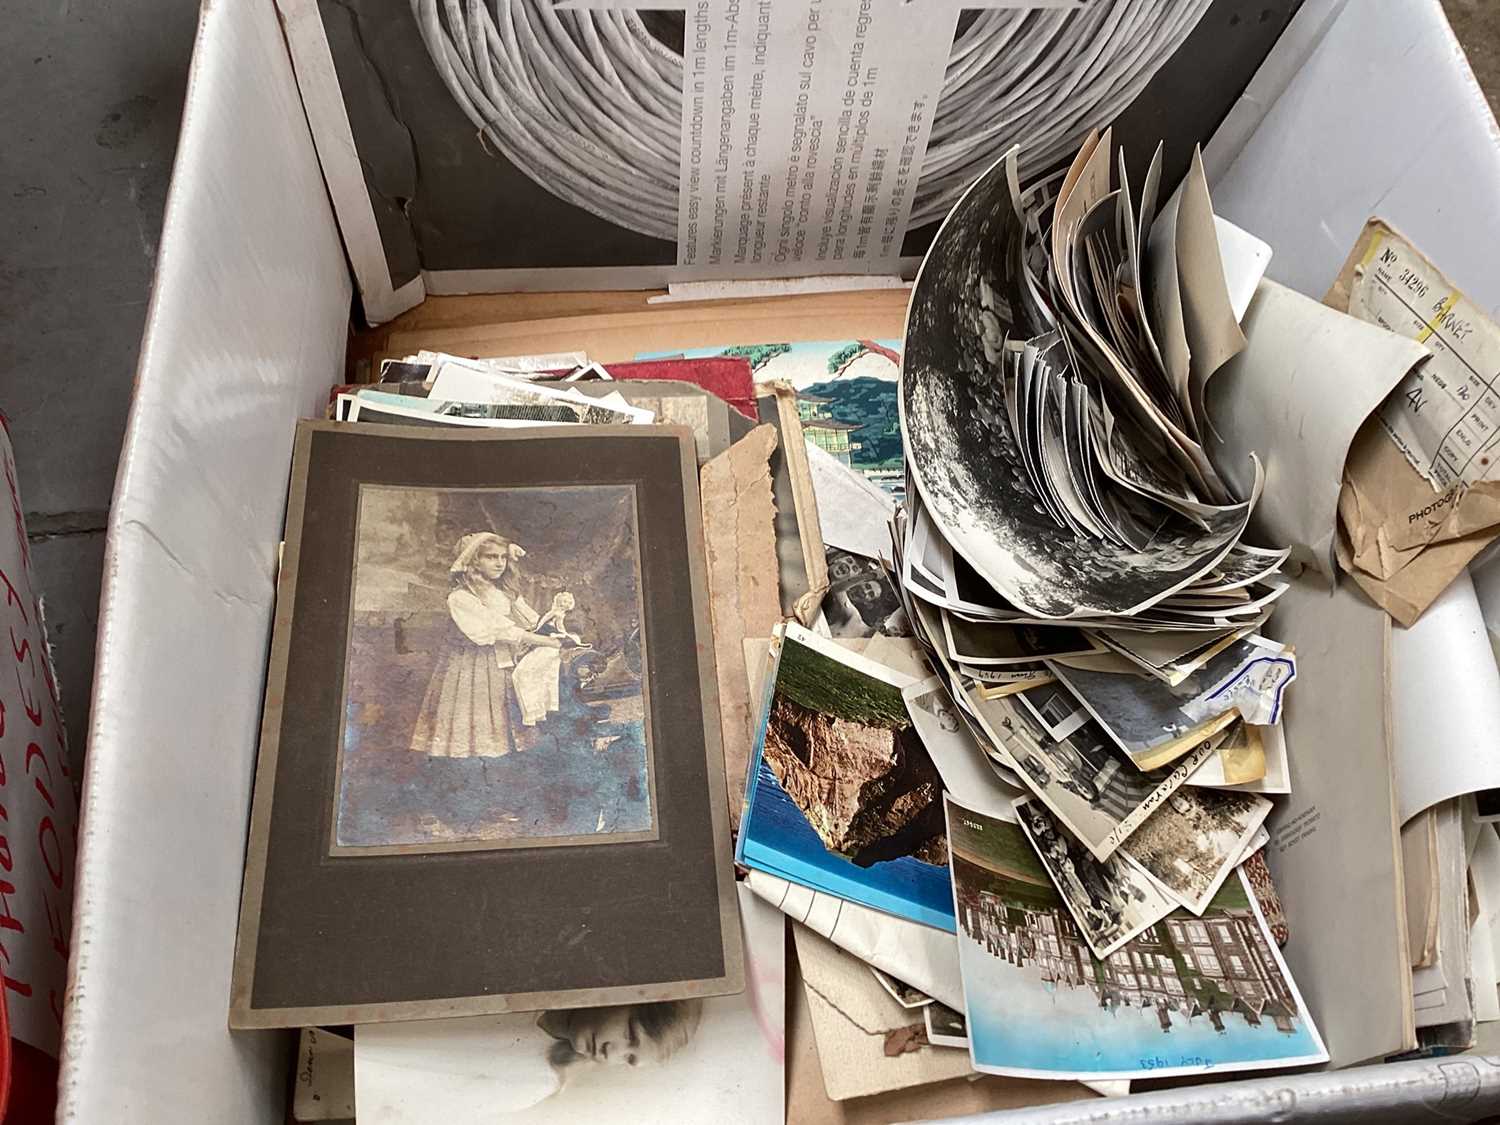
[1402,541]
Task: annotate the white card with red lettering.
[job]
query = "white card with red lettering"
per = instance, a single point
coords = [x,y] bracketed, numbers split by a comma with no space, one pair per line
[38,807]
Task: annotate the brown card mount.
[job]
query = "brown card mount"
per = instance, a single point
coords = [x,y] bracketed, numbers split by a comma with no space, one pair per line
[491,772]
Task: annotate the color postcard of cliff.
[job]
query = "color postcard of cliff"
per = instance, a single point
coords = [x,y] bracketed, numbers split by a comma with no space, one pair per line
[1187,995]
[844,797]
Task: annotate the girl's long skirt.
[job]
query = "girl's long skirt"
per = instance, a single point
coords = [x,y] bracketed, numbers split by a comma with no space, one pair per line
[466,712]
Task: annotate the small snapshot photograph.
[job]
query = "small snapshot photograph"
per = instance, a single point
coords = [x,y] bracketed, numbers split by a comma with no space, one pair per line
[1055,707]
[1111,901]
[861,601]
[1185,996]
[843,796]
[494,686]
[945,1027]
[1190,844]
[901,992]
[1092,787]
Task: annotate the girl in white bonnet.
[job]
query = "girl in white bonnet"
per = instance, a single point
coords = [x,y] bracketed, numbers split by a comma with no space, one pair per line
[467,709]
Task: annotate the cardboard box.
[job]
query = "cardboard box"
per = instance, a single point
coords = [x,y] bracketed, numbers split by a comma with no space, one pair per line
[1364,107]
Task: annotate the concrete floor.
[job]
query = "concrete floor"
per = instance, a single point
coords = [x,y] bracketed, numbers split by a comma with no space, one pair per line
[90,96]
[1477,25]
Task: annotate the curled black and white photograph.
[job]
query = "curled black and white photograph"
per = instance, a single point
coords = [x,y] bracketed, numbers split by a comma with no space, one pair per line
[973,460]
[1242,566]
[1111,901]
[972,642]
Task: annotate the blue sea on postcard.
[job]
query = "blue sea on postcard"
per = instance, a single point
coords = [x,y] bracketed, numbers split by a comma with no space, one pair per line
[777,833]
[1187,995]
[1044,1026]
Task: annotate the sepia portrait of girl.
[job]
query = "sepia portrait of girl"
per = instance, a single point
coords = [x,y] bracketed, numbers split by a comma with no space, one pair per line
[494,694]
[500,653]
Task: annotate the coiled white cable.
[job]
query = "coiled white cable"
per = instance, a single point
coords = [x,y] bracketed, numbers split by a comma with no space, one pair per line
[588,103]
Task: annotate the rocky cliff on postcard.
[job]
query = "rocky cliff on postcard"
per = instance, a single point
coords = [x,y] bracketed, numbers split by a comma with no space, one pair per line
[869,792]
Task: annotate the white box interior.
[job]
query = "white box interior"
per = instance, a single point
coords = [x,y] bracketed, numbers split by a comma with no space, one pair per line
[246,332]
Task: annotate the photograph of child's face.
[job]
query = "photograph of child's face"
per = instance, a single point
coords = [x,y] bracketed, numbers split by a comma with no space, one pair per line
[491,562]
[628,1035]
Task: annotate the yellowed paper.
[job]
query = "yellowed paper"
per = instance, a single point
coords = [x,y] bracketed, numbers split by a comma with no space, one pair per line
[1242,756]
[1159,756]
[1000,691]
[1419,498]
[615,327]
[744,592]
[804,498]
[1420,866]
[323,1085]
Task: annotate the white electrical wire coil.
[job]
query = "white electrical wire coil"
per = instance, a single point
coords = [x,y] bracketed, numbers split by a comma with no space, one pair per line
[589,104]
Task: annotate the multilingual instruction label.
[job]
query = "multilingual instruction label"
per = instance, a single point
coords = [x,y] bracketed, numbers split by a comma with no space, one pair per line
[804,127]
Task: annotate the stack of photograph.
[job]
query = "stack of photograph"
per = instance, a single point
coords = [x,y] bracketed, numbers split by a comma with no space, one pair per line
[1072,555]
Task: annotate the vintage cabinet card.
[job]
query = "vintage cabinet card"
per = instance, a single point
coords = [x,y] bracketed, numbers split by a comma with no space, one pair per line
[491,773]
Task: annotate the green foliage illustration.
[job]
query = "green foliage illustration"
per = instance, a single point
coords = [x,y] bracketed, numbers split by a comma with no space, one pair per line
[758,354]
[807,677]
